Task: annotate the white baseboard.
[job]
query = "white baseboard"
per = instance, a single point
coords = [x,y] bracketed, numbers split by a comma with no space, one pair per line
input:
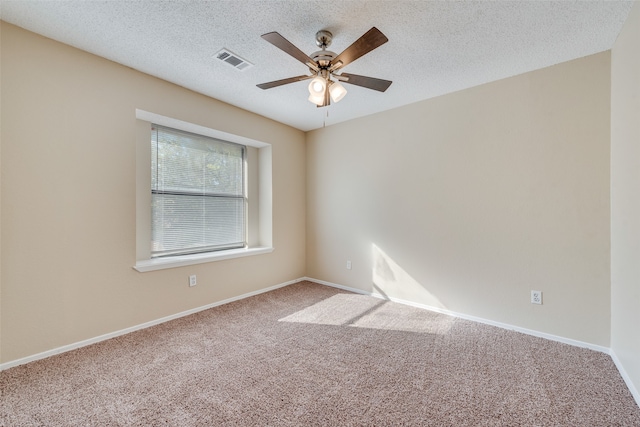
[69,347]
[532,332]
[110,335]
[627,379]
[623,373]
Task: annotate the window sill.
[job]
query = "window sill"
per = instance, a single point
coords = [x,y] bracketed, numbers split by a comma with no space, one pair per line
[183,260]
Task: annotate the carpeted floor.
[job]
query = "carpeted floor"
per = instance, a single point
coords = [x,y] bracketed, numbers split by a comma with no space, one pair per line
[310,355]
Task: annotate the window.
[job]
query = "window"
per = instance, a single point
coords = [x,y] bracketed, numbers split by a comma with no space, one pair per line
[198,193]
[254,237]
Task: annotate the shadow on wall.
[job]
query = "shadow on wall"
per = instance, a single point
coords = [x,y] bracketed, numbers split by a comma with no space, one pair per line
[392,285]
[392,282]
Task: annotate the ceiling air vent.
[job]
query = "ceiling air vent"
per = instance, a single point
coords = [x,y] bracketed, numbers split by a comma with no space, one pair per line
[233,60]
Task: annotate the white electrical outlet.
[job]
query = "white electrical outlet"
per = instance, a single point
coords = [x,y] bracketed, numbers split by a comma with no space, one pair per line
[192,280]
[348,265]
[536,297]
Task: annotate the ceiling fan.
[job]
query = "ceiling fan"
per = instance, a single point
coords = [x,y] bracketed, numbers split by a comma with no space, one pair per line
[324,65]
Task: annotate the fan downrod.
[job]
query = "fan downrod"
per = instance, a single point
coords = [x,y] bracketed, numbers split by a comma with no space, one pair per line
[323,39]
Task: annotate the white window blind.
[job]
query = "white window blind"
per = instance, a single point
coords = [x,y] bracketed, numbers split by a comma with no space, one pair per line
[198,201]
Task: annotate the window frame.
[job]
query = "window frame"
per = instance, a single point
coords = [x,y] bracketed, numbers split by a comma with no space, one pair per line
[259,218]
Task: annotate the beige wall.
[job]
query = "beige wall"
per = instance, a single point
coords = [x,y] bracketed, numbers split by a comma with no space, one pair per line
[468,201]
[625,197]
[464,202]
[69,198]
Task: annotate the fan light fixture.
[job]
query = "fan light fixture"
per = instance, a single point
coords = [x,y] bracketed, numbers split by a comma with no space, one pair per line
[317,86]
[317,89]
[317,99]
[337,91]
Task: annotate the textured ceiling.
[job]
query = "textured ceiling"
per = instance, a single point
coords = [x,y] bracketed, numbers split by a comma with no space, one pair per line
[434,48]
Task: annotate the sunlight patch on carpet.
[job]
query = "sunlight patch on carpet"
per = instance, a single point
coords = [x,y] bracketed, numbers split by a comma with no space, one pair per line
[361,311]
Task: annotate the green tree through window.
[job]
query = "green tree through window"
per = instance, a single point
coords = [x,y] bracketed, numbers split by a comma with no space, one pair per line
[198,200]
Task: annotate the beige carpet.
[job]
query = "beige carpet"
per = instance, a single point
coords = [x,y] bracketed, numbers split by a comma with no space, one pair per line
[310,355]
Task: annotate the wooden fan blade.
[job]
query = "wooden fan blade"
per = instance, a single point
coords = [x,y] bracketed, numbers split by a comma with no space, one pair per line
[277,83]
[365,44]
[285,45]
[364,81]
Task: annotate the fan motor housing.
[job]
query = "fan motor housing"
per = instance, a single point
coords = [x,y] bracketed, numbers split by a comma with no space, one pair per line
[323,57]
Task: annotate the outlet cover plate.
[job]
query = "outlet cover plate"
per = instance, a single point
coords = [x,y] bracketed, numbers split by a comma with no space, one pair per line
[536,297]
